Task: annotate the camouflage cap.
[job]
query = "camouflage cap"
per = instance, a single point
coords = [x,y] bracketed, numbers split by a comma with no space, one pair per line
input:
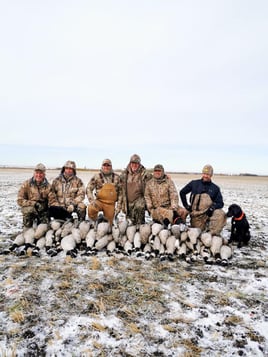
[107,161]
[70,164]
[207,169]
[135,158]
[40,167]
[159,167]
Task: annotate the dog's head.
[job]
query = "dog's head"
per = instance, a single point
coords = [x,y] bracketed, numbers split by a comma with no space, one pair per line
[234,211]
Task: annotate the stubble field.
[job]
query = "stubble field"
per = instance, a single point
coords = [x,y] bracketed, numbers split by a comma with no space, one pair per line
[128,306]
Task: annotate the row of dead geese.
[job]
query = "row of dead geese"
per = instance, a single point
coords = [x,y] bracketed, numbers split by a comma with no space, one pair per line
[148,240]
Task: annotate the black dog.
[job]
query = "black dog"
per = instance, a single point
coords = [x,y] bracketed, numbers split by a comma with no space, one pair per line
[240,227]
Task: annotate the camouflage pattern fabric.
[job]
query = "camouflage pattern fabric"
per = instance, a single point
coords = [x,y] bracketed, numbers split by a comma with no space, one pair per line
[133,188]
[70,192]
[29,214]
[161,198]
[33,200]
[136,211]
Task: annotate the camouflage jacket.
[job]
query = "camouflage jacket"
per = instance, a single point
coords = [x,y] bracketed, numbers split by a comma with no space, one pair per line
[133,184]
[30,193]
[161,193]
[68,191]
[98,180]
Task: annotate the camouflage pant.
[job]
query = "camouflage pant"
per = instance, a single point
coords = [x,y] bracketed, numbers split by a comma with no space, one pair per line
[161,213]
[30,214]
[214,224]
[81,211]
[199,218]
[136,211]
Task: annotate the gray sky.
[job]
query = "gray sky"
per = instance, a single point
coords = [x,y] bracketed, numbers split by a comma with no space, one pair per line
[181,83]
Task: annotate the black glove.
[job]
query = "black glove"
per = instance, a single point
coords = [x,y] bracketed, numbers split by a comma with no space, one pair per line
[189,208]
[40,206]
[210,211]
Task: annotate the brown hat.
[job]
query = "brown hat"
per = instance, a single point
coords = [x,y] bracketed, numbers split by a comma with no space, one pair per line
[207,169]
[40,167]
[135,158]
[159,167]
[70,164]
[107,161]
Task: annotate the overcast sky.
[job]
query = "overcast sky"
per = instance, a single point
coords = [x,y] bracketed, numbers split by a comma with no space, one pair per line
[179,82]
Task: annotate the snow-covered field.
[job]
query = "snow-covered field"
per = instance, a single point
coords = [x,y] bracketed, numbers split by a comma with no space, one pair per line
[128,306]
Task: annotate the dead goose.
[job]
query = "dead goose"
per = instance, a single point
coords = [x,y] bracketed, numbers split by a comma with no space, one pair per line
[18,242]
[130,233]
[90,242]
[162,252]
[41,243]
[193,234]
[216,246]
[226,254]
[156,244]
[128,247]
[145,232]
[122,241]
[55,224]
[29,236]
[171,247]
[103,228]
[115,233]
[181,251]
[84,228]
[122,226]
[163,235]
[102,242]
[206,239]
[137,241]
[111,247]
[205,253]
[41,230]
[68,244]
[147,250]
[49,238]
[175,230]
[156,228]
[66,228]
[184,236]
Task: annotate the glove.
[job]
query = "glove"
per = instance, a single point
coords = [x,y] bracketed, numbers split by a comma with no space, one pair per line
[39,206]
[189,208]
[210,211]
[70,208]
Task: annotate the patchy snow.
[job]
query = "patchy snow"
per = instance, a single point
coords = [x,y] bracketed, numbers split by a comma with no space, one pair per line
[128,306]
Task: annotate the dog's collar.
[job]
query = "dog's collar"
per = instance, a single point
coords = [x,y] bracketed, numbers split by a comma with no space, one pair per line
[240,217]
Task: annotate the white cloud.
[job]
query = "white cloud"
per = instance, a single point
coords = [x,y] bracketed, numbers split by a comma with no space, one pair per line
[109,75]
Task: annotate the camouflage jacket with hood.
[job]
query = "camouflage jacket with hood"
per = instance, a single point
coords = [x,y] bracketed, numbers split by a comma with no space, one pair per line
[68,191]
[161,192]
[30,193]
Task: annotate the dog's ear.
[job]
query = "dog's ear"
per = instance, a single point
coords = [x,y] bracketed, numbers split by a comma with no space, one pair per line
[237,211]
[230,212]
[234,211]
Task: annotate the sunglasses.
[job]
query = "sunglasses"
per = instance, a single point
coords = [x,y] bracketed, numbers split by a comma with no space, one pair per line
[157,170]
[106,165]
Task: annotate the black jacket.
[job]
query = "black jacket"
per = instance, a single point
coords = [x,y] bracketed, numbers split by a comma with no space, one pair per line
[200,186]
